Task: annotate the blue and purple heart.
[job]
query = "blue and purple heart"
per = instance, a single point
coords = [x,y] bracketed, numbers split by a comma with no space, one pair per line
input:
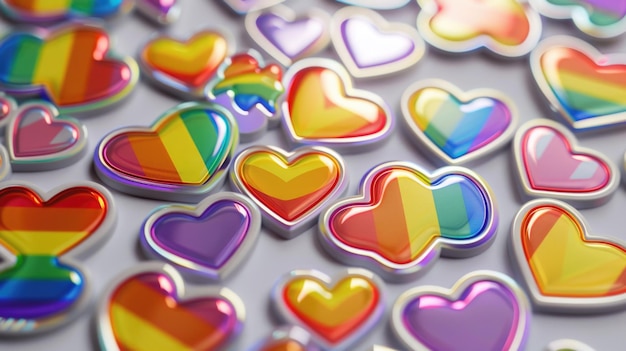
[459,127]
[205,242]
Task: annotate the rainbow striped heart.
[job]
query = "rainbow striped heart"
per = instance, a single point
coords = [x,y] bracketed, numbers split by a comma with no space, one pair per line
[458,127]
[586,88]
[451,211]
[183,156]
[40,11]
[150,308]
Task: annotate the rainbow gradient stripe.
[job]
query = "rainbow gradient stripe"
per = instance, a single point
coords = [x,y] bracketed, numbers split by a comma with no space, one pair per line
[70,66]
[600,12]
[52,10]
[564,263]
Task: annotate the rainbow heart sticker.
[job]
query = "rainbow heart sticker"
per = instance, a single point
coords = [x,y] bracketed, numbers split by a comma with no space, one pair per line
[183,156]
[458,127]
[41,11]
[550,164]
[41,284]
[597,18]
[484,311]
[565,269]
[150,308]
[446,25]
[70,65]
[405,217]
[184,67]
[584,87]
[39,139]
[321,108]
[291,188]
[208,240]
[337,312]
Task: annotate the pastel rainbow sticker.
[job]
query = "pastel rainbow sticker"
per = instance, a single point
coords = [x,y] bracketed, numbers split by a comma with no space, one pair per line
[42,286]
[551,164]
[457,127]
[422,215]
[509,28]
[320,107]
[149,307]
[183,156]
[337,311]
[597,18]
[71,66]
[484,309]
[290,188]
[40,11]
[582,86]
[564,267]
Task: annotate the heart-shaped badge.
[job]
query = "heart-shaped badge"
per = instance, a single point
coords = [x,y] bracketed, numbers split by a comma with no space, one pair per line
[321,108]
[286,36]
[484,310]
[162,12]
[568,345]
[582,86]
[149,307]
[291,188]
[370,46]
[42,285]
[39,139]
[338,311]
[249,89]
[565,268]
[183,156]
[70,65]
[242,7]
[445,25]
[457,127]
[209,239]
[405,218]
[550,164]
[287,338]
[184,67]
[600,19]
[377,4]
[46,11]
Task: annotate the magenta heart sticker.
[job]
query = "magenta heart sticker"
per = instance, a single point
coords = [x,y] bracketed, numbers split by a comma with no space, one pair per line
[39,139]
[550,164]
[484,311]
[210,239]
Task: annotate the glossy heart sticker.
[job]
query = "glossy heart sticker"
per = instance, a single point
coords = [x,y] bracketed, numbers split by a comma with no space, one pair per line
[321,108]
[149,307]
[249,89]
[457,127]
[597,18]
[183,156]
[244,6]
[568,345]
[287,338]
[42,285]
[582,86]
[39,139]
[550,164]
[162,12]
[370,46]
[209,239]
[445,25]
[338,311]
[71,65]
[485,310]
[290,188]
[377,4]
[185,67]
[405,217]
[564,267]
[42,11]
[287,36]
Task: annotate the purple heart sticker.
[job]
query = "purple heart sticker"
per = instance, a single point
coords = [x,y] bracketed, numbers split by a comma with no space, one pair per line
[485,311]
[209,240]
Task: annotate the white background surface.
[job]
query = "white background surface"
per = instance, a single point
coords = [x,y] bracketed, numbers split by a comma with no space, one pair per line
[274,256]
